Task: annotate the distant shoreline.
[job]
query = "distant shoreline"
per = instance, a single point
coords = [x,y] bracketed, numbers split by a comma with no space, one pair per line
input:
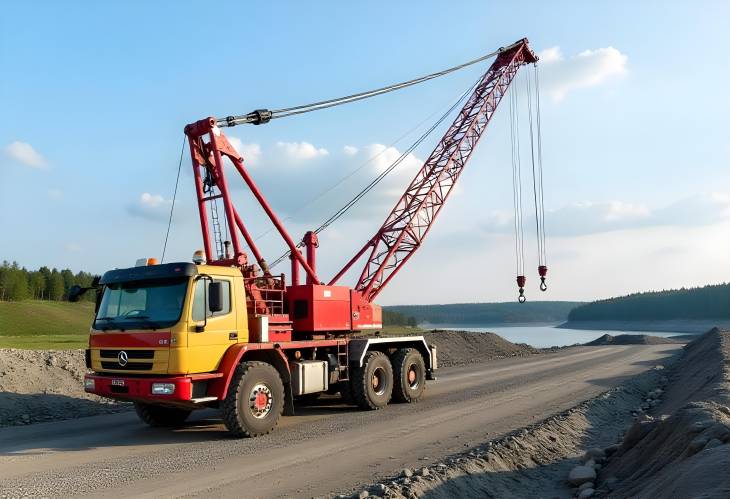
[665,326]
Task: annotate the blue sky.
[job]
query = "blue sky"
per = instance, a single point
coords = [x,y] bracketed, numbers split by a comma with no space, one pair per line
[94,98]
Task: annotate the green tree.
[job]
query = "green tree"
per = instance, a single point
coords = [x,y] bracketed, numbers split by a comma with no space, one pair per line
[37,285]
[68,281]
[55,286]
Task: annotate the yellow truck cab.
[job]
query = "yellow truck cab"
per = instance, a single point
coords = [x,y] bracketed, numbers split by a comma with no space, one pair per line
[164,309]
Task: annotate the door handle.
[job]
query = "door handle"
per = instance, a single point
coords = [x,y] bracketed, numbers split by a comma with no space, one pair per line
[233,335]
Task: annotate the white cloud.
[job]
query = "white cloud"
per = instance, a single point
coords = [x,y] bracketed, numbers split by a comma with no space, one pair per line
[251,153]
[152,200]
[382,157]
[300,151]
[24,153]
[151,206]
[350,150]
[590,68]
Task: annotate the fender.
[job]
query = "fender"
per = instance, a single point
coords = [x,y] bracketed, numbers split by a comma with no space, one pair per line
[240,352]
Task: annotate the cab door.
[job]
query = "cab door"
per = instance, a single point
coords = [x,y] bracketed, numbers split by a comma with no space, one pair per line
[210,333]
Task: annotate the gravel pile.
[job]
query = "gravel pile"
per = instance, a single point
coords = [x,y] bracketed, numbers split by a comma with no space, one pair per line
[459,348]
[682,448]
[630,339]
[46,385]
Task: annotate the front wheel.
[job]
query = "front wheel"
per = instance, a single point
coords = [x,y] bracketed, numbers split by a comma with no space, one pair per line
[156,415]
[255,400]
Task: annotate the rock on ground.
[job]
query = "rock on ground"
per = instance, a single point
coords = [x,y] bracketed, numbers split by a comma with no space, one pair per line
[46,385]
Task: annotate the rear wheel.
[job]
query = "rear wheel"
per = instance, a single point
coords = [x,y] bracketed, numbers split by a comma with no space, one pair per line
[155,415]
[409,372]
[372,384]
[255,400]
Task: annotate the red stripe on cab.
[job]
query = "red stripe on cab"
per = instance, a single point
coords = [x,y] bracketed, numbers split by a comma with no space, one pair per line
[130,339]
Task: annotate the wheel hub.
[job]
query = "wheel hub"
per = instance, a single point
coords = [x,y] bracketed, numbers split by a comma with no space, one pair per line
[260,401]
[378,381]
[412,376]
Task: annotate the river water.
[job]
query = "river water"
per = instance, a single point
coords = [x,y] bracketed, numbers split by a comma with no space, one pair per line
[543,335]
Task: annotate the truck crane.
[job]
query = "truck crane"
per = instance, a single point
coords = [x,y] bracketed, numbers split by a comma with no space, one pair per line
[224,331]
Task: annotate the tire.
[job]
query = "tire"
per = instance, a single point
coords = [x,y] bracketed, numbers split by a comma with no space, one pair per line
[372,384]
[160,416]
[409,373]
[255,400]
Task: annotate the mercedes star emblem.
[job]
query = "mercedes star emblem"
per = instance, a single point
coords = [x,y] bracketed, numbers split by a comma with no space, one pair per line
[123,358]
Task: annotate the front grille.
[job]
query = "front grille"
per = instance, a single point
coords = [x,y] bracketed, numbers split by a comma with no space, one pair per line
[130,366]
[131,354]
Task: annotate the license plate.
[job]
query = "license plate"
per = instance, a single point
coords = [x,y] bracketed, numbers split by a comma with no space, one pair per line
[117,382]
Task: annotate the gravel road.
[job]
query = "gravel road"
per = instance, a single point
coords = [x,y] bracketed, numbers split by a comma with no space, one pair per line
[324,449]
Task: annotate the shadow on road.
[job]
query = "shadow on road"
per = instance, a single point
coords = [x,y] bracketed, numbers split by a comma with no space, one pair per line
[99,430]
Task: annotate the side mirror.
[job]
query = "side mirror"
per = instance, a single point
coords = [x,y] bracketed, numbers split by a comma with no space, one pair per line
[75,292]
[215,297]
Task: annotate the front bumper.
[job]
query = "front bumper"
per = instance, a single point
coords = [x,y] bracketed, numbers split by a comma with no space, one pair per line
[140,389]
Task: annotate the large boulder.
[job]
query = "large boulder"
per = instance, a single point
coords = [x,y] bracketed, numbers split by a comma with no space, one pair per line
[581,474]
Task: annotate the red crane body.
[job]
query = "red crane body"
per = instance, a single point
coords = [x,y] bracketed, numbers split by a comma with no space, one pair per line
[306,310]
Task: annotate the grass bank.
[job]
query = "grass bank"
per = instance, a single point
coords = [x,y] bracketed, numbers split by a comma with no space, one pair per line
[45,324]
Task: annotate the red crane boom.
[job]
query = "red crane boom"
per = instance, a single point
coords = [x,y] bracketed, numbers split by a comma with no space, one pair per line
[313,307]
[415,212]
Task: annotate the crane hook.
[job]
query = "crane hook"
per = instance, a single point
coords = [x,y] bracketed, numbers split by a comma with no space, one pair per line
[521,280]
[542,270]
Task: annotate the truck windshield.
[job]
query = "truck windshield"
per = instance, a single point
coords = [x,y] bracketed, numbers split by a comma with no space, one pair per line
[141,304]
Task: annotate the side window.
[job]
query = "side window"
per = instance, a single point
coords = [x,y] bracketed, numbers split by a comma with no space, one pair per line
[200,307]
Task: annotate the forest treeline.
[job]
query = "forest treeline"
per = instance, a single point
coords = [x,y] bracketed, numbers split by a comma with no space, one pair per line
[393,318]
[707,302]
[18,283]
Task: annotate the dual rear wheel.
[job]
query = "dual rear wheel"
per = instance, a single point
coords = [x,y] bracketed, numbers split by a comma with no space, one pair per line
[401,377]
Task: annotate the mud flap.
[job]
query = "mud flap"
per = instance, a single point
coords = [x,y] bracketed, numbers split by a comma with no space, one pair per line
[288,400]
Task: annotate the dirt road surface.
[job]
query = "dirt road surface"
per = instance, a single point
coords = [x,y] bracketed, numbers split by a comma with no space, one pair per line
[325,449]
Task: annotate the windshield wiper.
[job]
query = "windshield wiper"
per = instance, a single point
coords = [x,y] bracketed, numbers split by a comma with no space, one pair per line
[109,322]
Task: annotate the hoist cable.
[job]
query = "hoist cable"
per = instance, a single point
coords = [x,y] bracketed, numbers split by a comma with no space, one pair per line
[339,213]
[540,164]
[517,182]
[538,217]
[174,196]
[265,115]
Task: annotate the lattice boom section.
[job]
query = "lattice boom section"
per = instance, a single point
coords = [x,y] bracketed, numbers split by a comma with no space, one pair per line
[414,213]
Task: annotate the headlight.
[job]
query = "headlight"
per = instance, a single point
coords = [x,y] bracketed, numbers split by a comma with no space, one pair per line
[89,384]
[163,388]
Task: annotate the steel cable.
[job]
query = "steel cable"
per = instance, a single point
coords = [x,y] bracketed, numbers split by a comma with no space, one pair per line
[263,116]
[174,196]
